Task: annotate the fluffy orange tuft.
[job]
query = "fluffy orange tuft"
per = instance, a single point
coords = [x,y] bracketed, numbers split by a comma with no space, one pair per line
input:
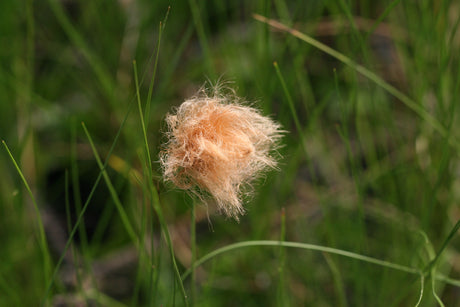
[219,146]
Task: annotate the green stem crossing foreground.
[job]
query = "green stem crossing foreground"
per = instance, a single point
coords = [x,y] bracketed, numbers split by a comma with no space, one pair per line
[313,247]
[308,246]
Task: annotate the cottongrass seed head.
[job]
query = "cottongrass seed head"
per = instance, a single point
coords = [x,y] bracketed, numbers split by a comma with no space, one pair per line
[218,146]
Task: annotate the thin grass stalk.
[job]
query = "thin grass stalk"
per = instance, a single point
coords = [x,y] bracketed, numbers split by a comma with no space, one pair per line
[379,20]
[198,20]
[411,104]
[158,262]
[142,256]
[69,228]
[164,227]
[69,240]
[30,40]
[303,139]
[282,9]
[303,81]
[355,32]
[153,272]
[41,230]
[154,192]
[442,171]
[448,280]
[152,80]
[433,287]
[121,211]
[102,225]
[307,246]
[344,134]
[155,267]
[324,249]
[422,288]
[137,283]
[433,263]
[282,297]
[429,249]
[76,183]
[30,57]
[292,108]
[299,128]
[75,37]
[85,206]
[141,116]
[338,281]
[173,60]
[193,250]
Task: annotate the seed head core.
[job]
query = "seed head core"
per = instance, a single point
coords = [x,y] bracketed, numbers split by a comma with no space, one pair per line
[218,146]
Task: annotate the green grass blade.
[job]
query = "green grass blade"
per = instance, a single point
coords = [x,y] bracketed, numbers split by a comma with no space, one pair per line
[443,247]
[69,226]
[30,53]
[157,54]
[41,230]
[83,210]
[71,235]
[141,116]
[411,104]
[174,59]
[75,182]
[78,41]
[359,38]
[422,287]
[154,192]
[338,280]
[281,290]
[447,280]
[381,18]
[164,228]
[312,247]
[292,108]
[197,19]
[193,250]
[121,211]
[433,288]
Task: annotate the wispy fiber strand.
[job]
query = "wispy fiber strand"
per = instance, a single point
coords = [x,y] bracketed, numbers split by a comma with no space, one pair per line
[218,146]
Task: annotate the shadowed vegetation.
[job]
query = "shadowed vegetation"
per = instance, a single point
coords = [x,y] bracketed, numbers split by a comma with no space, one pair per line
[364,210]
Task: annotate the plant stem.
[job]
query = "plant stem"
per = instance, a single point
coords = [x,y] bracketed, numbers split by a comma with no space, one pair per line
[313,247]
[282,262]
[41,229]
[193,248]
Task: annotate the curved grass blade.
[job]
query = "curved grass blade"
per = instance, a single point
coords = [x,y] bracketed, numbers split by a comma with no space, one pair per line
[307,246]
[410,103]
[41,230]
[422,287]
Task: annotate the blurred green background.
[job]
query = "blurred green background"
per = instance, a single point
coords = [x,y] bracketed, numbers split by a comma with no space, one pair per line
[362,171]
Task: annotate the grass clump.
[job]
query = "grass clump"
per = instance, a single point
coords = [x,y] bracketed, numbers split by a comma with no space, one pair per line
[362,212]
